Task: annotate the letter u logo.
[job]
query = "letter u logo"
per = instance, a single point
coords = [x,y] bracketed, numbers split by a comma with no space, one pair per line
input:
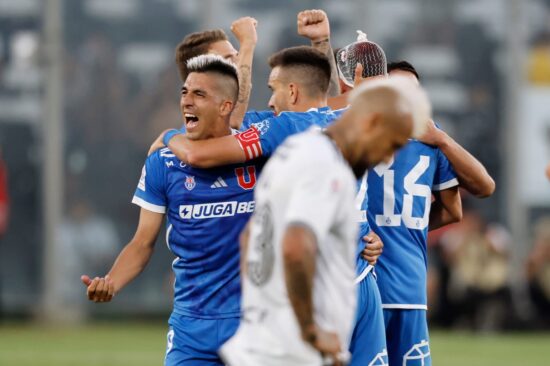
[242,181]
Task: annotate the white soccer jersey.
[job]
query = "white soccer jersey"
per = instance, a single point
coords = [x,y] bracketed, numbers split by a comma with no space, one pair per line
[308,182]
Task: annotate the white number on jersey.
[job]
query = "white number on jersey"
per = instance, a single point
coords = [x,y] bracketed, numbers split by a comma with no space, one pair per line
[412,189]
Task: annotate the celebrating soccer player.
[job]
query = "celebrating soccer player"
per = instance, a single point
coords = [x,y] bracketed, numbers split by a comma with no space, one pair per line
[205,211]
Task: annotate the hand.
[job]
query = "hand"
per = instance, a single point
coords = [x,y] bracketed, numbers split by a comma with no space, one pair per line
[328,345]
[314,25]
[373,248]
[433,135]
[548,171]
[244,30]
[157,144]
[99,289]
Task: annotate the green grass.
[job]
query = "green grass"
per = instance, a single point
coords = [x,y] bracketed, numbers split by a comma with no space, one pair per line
[143,344]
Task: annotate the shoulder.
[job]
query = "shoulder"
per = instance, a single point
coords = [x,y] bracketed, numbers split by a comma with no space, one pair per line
[162,158]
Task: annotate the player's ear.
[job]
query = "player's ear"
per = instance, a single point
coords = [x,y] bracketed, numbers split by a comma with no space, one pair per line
[226,107]
[293,93]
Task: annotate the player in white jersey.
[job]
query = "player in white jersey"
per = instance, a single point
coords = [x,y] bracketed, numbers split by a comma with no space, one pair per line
[299,296]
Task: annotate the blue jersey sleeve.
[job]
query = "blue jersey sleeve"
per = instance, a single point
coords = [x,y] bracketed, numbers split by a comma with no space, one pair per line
[151,193]
[445,176]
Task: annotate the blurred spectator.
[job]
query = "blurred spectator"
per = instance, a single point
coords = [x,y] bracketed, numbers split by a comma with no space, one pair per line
[538,271]
[477,256]
[538,71]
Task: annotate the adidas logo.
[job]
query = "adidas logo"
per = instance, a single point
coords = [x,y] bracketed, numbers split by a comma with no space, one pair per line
[219,183]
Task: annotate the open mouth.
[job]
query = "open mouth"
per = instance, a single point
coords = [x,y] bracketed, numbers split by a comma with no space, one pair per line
[191,121]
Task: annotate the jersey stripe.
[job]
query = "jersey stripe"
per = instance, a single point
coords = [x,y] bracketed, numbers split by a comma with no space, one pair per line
[148,206]
[445,185]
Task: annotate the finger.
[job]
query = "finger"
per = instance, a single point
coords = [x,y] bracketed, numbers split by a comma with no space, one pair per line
[99,289]
[86,280]
[367,238]
[375,245]
[92,288]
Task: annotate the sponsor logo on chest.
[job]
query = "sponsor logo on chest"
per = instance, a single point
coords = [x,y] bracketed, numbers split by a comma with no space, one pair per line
[218,209]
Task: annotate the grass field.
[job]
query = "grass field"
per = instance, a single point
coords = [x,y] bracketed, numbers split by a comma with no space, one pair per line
[143,344]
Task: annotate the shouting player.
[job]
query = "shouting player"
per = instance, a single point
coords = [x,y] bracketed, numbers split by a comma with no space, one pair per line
[205,212]
[215,42]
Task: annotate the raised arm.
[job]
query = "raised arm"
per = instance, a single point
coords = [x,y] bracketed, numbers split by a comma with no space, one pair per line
[244,30]
[446,208]
[314,25]
[130,262]
[472,175]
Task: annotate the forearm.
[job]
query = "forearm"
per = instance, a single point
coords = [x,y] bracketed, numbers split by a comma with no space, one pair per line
[207,153]
[130,263]
[246,56]
[446,208]
[299,264]
[439,216]
[472,175]
[324,46]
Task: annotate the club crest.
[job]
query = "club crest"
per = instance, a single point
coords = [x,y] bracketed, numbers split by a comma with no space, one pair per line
[190,182]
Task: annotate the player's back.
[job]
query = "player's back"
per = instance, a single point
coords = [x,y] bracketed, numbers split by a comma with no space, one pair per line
[399,201]
[294,182]
[206,210]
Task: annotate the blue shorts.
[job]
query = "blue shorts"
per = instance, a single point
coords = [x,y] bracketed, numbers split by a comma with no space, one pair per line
[194,341]
[368,341]
[407,337]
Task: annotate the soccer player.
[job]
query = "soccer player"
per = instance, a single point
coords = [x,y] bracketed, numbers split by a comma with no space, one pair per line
[215,42]
[298,283]
[205,212]
[415,192]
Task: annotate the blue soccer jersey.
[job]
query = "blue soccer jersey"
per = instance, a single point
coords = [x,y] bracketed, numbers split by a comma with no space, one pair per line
[262,138]
[206,209]
[399,198]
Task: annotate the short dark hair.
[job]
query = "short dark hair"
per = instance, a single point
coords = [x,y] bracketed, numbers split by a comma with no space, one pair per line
[312,65]
[196,44]
[207,63]
[403,66]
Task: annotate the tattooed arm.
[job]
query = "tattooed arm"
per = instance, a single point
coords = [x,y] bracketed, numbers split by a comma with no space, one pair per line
[314,25]
[299,253]
[244,30]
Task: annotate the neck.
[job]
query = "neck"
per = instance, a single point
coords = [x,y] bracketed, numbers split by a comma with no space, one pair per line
[221,129]
[310,103]
[338,135]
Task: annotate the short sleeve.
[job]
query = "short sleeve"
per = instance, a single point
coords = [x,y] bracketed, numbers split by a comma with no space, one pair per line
[445,176]
[316,193]
[150,192]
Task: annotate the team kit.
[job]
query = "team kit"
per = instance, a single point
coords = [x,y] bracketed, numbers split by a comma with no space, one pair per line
[299,231]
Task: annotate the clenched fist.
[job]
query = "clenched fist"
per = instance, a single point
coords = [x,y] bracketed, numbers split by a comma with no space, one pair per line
[314,25]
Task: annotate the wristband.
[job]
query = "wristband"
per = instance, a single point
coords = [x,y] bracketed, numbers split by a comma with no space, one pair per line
[168,136]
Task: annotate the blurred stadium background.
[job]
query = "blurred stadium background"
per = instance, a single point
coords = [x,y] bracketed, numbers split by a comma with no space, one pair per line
[86,86]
